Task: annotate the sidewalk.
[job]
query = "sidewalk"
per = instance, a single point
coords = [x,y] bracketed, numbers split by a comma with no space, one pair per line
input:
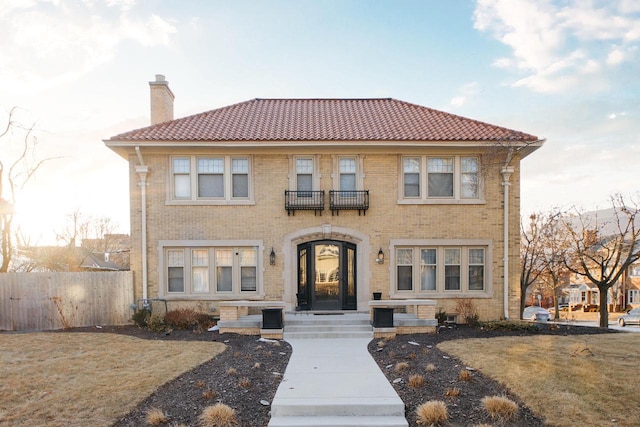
[334,382]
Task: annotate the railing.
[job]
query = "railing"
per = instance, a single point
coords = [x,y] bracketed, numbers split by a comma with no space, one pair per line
[303,200]
[349,200]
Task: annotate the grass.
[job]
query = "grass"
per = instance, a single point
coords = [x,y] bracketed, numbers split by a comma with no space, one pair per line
[590,378]
[79,379]
[218,415]
[431,413]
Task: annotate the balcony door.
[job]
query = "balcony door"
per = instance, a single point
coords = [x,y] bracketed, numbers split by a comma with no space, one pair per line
[327,275]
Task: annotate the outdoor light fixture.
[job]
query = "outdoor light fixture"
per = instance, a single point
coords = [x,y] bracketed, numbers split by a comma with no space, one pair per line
[272,257]
[380,259]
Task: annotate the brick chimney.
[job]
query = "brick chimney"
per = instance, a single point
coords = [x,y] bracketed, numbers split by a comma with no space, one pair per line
[161,100]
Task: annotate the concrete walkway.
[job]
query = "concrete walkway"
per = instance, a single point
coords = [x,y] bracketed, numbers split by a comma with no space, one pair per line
[335,382]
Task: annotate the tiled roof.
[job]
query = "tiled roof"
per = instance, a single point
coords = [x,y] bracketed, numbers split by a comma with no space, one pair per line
[382,119]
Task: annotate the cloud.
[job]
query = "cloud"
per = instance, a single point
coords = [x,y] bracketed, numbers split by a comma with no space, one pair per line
[46,43]
[466,92]
[560,45]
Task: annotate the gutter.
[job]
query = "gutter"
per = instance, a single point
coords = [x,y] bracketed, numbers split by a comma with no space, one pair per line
[506,172]
[142,171]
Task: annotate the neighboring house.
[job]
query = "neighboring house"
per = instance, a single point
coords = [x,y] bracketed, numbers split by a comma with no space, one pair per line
[112,247]
[321,202]
[632,286]
[61,258]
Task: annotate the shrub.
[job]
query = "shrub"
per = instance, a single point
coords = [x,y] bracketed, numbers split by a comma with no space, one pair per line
[155,323]
[441,316]
[500,408]
[140,317]
[188,318]
[401,366]
[155,417]
[464,375]
[433,412]
[452,392]
[467,310]
[511,325]
[218,415]
[416,381]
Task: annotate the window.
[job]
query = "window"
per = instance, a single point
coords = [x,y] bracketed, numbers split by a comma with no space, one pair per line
[404,262]
[217,179]
[210,270]
[411,167]
[304,175]
[439,269]
[175,271]
[634,270]
[347,172]
[633,296]
[428,269]
[427,179]
[211,177]
[452,269]
[439,177]
[476,269]
[469,177]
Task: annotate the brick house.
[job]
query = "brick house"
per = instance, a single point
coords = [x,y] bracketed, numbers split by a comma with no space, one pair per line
[319,203]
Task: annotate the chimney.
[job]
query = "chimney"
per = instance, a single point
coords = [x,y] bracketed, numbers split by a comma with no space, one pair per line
[161,100]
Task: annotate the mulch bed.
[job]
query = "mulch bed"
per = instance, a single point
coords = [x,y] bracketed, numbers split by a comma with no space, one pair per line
[262,364]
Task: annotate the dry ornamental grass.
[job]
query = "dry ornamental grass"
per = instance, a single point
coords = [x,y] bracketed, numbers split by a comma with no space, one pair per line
[500,408]
[432,413]
[218,415]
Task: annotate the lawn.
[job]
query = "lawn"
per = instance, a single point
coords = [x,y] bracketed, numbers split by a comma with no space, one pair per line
[79,379]
[588,380]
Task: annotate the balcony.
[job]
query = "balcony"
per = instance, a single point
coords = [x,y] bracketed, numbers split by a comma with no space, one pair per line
[303,201]
[349,200]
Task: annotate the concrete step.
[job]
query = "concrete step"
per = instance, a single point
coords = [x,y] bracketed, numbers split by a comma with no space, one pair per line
[336,421]
[342,407]
[326,320]
[328,328]
[321,334]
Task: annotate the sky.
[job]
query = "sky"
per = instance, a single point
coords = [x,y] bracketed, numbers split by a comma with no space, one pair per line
[567,71]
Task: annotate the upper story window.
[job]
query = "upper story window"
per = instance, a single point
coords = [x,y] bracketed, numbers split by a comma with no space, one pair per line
[634,270]
[440,179]
[439,269]
[347,173]
[304,174]
[210,179]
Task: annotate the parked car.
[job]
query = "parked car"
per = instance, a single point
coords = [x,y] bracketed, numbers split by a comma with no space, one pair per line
[536,314]
[632,316]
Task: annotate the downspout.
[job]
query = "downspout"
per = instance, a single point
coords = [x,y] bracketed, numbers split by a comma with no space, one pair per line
[142,171]
[506,172]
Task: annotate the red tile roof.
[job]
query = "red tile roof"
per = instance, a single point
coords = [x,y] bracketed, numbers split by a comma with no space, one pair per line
[382,119]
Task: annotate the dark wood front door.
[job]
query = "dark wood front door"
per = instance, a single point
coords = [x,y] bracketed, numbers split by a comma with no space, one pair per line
[327,275]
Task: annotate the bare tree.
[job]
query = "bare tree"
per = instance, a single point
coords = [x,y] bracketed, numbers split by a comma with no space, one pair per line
[531,266]
[15,173]
[555,244]
[75,229]
[602,250]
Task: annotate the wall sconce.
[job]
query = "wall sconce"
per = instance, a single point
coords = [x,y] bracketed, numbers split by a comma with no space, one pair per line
[380,259]
[272,257]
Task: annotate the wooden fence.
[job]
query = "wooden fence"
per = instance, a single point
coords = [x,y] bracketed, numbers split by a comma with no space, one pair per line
[48,301]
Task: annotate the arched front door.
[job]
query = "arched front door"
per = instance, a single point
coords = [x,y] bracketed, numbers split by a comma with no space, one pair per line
[327,275]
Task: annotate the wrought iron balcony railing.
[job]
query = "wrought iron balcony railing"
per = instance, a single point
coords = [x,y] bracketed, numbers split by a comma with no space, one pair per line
[303,201]
[349,200]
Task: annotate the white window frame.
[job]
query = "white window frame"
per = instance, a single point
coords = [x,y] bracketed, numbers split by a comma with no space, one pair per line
[634,271]
[464,245]
[188,247]
[633,296]
[293,175]
[228,176]
[423,180]
[358,173]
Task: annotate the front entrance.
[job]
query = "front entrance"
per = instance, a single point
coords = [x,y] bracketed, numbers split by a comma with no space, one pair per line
[327,275]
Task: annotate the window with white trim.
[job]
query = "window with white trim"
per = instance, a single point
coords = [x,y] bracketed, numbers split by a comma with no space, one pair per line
[634,270]
[440,269]
[210,271]
[440,179]
[347,172]
[304,173]
[210,178]
[633,296]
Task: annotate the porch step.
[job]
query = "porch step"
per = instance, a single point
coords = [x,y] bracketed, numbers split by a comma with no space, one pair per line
[327,326]
[338,421]
[368,406]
